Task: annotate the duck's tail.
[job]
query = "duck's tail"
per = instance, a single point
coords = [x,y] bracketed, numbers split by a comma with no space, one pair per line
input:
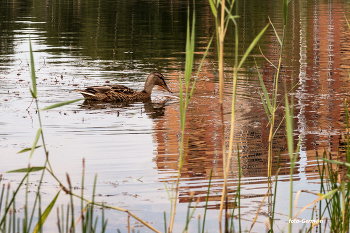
[86,94]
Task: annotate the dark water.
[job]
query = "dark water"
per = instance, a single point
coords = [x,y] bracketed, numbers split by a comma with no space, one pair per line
[134,148]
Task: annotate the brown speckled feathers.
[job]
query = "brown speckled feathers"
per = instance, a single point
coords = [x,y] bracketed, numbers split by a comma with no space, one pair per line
[120,93]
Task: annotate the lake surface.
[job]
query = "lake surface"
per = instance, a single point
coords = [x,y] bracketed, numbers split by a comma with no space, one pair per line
[134,148]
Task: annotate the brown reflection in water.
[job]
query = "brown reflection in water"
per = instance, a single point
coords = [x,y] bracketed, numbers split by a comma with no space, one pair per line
[151,109]
[319,112]
[202,133]
[204,138]
[326,83]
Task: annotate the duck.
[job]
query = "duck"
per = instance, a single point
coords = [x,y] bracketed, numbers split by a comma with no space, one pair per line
[120,93]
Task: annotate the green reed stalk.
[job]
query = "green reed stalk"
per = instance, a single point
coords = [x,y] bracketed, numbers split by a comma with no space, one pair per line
[185,100]
[188,218]
[237,198]
[39,214]
[25,220]
[7,203]
[271,105]
[183,106]
[292,155]
[14,215]
[67,218]
[239,191]
[221,31]
[206,200]
[272,218]
[58,219]
[18,224]
[82,194]
[2,195]
[165,227]
[104,221]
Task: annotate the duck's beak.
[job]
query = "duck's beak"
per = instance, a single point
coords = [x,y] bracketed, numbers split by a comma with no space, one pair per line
[166,88]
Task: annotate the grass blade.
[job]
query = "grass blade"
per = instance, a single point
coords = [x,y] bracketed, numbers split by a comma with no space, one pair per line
[213,8]
[265,107]
[268,101]
[61,104]
[38,133]
[285,11]
[335,162]
[206,200]
[274,29]
[32,69]
[199,69]
[27,149]
[165,227]
[251,46]
[27,170]
[289,129]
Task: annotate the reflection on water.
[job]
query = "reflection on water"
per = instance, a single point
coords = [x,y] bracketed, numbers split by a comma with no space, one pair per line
[153,109]
[85,43]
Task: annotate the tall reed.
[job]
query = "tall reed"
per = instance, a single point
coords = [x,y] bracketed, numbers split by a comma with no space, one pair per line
[225,17]
[185,97]
[271,105]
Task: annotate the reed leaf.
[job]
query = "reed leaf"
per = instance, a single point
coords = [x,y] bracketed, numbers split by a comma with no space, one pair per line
[268,101]
[335,162]
[182,113]
[265,108]
[165,227]
[347,22]
[285,11]
[61,104]
[27,170]
[27,149]
[46,213]
[189,50]
[32,69]
[274,29]
[252,45]
[289,128]
[199,69]
[213,8]
[206,200]
[38,133]
[267,59]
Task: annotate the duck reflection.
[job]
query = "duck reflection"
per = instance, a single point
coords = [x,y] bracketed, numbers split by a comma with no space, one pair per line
[152,109]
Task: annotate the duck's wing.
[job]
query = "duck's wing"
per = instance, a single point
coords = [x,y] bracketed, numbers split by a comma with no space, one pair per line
[97,89]
[109,88]
[122,89]
[108,93]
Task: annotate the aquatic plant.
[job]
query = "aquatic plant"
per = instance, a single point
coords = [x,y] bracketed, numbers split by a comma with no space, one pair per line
[185,97]
[226,16]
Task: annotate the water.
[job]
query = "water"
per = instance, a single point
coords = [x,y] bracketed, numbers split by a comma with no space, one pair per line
[134,148]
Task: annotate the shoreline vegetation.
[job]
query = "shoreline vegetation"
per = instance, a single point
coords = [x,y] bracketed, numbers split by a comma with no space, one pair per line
[330,208]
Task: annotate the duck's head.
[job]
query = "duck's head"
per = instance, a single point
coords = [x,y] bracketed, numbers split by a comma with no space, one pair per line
[155,78]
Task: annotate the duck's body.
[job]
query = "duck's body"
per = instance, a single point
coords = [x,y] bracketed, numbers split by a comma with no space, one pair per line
[120,93]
